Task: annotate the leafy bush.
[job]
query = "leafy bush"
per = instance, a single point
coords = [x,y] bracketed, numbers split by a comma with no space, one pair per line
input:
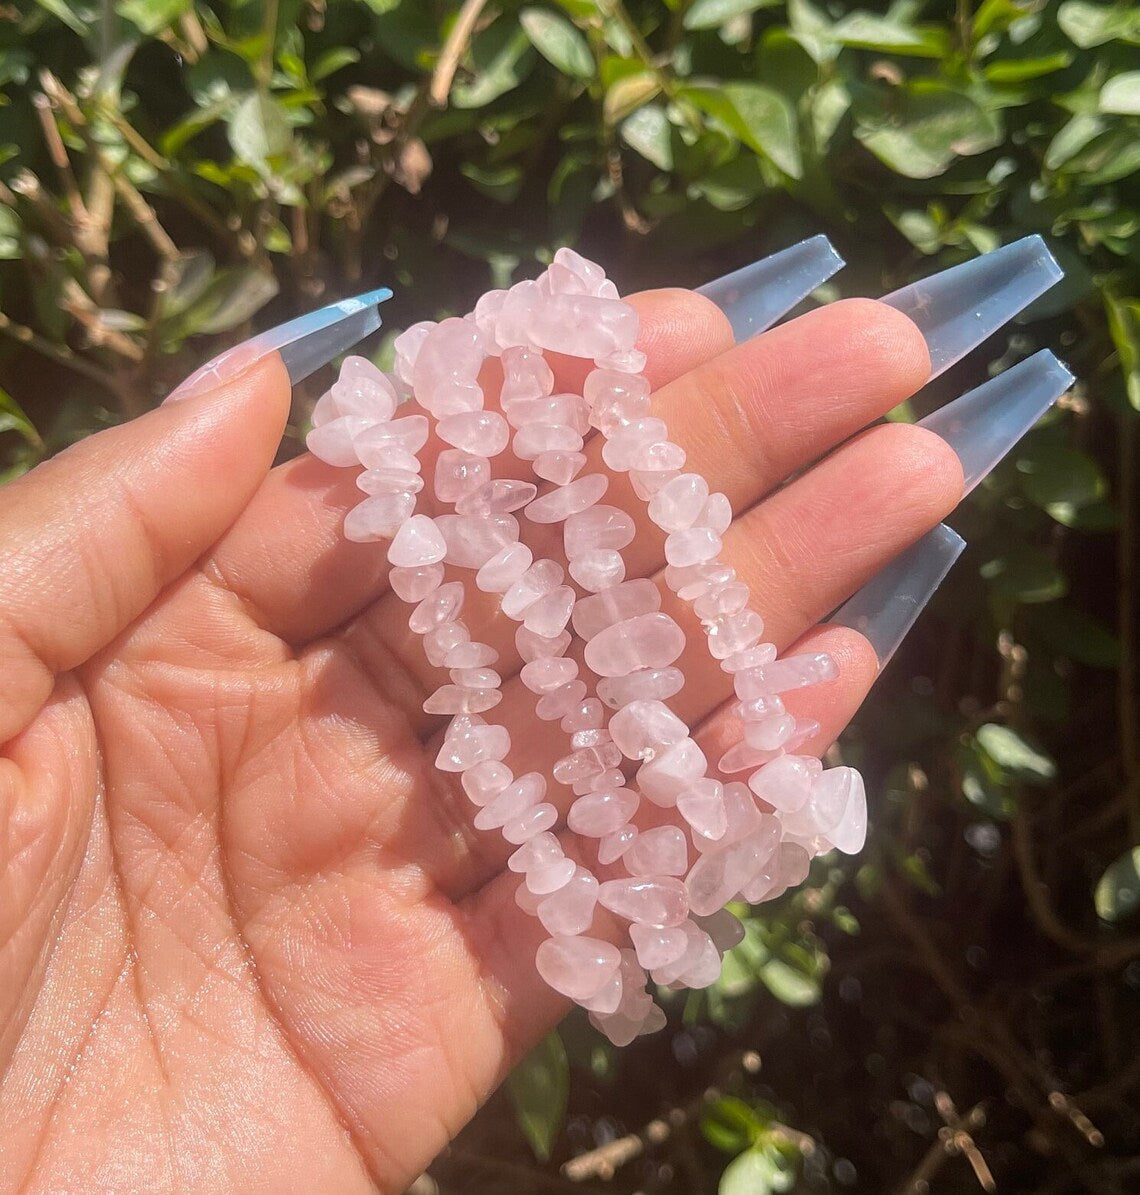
[175,173]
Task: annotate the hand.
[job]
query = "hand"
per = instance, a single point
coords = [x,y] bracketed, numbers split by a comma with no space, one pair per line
[251,941]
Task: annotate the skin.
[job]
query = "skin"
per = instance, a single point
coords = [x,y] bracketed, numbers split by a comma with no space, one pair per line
[249,939]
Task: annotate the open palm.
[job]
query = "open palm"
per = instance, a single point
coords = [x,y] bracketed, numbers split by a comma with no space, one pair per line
[248,937]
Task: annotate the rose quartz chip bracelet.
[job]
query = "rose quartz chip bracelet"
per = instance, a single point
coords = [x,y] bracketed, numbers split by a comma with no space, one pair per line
[707,841]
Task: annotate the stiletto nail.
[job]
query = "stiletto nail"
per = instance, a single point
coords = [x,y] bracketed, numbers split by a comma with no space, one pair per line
[305,343]
[886,607]
[958,308]
[756,296]
[984,424]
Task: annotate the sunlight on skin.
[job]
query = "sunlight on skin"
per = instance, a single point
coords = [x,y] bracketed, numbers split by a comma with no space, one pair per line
[252,939]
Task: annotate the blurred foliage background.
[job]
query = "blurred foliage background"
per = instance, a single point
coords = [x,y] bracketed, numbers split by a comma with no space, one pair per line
[958,1007]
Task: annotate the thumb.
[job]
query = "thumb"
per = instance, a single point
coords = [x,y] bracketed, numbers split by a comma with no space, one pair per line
[92,536]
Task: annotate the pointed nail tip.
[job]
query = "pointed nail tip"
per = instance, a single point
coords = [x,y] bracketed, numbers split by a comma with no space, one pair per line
[370,298]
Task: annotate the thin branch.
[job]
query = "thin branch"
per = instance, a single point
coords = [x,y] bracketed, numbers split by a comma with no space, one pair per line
[453,50]
[22,334]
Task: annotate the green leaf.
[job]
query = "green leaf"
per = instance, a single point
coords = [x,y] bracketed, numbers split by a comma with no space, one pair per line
[1060,479]
[1118,890]
[1121,94]
[729,1124]
[789,985]
[501,183]
[501,58]
[559,42]
[919,130]
[11,235]
[1124,325]
[258,130]
[649,132]
[813,31]
[230,298]
[627,94]
[1024,574]
[74,16]
[332,61]
[539,1087]
[153,16]
[762,118]
[1014,755]
[983,782]
[13,419]
[711,14]
[870,31]
[1088,25]
[1071,138]
[1018,70]
[758,1171]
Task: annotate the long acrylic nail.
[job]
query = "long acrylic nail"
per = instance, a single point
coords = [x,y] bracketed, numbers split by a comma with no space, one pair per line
[985,423]
[756,296]
[305,343]
[957,309]
[886,607]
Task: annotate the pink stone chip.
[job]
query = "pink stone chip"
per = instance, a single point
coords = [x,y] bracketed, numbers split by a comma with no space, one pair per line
[665,777]
[702,806]
[540,578]
[695,545]
[548,615]
[598,570]
[568,500]
[502,570]
[598,527]
[570,910]
[578,967]
[548,673]
[474,745]
[643,728]
[662,902]
[785,783]
[613,846]
[441,605]
[648,684]
[417,542]
[559,466]
[484,781]
[630,598]
[645,641]
[412,584]
[498,496]
[539,647]
[660,851]
[458,473]
[600,813]
[535,820]
[472,541]
[378,517]
[658,947]
[483,433]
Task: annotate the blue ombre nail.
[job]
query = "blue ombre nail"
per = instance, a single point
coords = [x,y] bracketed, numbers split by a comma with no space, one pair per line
[984,424]
[957,309]
[886,607]
[305,343]
[756,296]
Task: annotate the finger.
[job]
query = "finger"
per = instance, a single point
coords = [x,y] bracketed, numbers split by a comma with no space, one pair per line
[287,557]
[94,534]
[832,529]
[509,937]
[747,419]
[48,782]
[801,552]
